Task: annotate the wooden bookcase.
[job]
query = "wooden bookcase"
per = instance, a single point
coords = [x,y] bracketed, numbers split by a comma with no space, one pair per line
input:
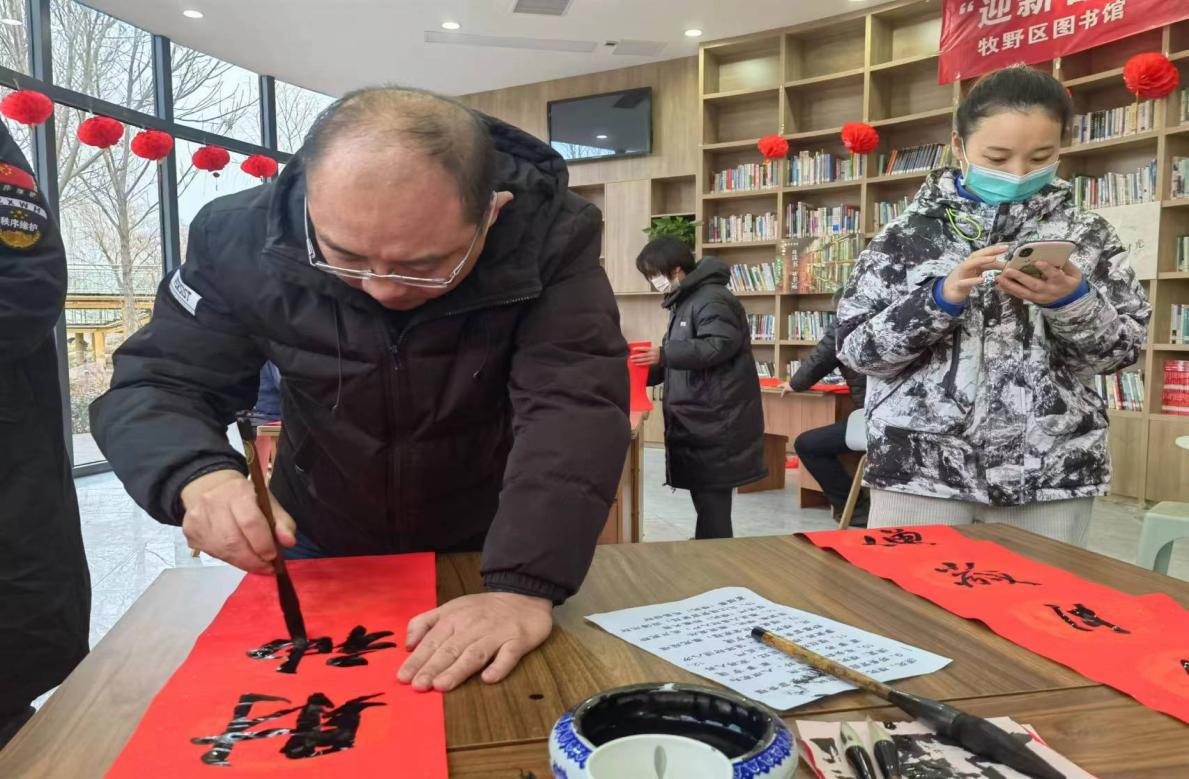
[880,66]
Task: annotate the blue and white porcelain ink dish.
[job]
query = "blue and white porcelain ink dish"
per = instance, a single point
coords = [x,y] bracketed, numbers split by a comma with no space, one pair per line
[752,737]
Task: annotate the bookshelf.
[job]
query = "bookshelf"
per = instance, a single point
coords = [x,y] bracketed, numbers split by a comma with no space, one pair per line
[879,66]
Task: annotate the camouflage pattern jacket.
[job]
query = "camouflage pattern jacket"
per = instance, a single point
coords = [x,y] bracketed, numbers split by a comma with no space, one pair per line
[997,404]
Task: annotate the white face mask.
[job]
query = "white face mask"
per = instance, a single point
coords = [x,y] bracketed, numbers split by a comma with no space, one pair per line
[662,284]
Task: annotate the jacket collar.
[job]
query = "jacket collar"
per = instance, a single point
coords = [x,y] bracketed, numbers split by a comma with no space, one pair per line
[509,269]
[710,270]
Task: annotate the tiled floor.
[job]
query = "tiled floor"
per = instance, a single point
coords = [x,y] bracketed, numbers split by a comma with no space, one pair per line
[126,549]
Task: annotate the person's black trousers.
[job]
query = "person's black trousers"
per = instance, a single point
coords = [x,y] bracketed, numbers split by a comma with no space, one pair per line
[714,513]
[819,449]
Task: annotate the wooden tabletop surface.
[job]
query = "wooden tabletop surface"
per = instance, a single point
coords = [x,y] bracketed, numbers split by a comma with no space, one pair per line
[83,726]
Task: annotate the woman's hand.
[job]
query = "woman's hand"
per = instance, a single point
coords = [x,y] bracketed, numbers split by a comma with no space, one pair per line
[645,355]
[1053,284]
[969,273]
[785,389]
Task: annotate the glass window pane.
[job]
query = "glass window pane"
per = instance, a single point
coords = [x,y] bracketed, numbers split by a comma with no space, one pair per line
[101,56]
[297,108]
[215,96]
[112,231]
[197,187]
[14,36]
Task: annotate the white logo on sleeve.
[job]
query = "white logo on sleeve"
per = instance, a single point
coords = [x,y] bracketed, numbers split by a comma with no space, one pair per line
[184,293]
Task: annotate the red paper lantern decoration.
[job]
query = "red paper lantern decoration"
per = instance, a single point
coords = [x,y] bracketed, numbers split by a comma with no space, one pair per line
[774,147]
[1150,76]
[101,131]
[859,137]
[212,158]
[260,166]
[152,144]
[27,106]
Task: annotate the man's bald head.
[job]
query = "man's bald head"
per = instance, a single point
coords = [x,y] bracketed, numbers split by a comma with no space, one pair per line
[384,119]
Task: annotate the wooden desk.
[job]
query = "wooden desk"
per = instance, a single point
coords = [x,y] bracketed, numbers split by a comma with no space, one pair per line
[493,731]
[792,415]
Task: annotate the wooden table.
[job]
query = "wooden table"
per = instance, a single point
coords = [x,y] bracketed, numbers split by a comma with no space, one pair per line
[493,732]
[625,519]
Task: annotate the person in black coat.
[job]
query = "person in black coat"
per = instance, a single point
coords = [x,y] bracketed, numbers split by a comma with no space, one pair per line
[820,447]
[45,589]
[714,420]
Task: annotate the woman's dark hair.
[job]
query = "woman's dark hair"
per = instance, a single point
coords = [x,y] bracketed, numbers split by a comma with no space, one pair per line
[664,255]
[1018,88]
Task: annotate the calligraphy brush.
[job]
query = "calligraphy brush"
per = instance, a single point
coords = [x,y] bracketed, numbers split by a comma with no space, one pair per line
[289,604]
[975,734]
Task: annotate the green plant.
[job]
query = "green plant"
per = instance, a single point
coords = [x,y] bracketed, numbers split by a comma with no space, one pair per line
[679,227]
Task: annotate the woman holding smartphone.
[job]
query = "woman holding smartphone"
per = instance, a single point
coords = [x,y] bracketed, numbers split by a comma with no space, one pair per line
[980,403]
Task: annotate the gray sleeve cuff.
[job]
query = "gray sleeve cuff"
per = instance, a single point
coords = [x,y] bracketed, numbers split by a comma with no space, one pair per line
[507,581]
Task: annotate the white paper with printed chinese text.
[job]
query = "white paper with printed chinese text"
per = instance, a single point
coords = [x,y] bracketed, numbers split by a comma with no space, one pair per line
[710,635]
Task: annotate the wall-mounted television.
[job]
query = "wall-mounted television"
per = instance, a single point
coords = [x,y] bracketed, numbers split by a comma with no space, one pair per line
[602,127]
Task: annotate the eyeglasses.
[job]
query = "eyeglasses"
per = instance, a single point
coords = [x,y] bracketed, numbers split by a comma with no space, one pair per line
[320,263]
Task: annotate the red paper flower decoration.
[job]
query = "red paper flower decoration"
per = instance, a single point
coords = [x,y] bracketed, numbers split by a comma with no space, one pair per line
[152,144]
[260,166]
[1150,76]
[101,131]
[27,106]
[212,158]
[859,137]
[774,147]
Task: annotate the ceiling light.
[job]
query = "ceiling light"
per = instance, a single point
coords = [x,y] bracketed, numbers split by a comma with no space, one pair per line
[12,22]
[451,25]
[693,32]
[190,13]
[601,137]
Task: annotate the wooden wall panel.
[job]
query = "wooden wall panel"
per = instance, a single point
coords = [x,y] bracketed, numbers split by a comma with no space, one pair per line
[675,101]
[627,209]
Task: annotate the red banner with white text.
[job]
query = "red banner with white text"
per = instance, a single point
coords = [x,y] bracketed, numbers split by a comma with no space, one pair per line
[978,36]
[1138,644]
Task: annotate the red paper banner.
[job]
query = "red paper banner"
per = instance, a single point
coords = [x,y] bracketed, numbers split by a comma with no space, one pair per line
[978,36]
[638,379]
[246,703]
[1138,644]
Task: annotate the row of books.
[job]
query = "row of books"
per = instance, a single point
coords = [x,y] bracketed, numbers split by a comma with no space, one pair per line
[741,227]
[763,326]
[1174,399]
[887,210]
[914,158]
[833,377]
[1184,115]
[809,325]
[1178,326]
[822,168]
[755,278]
[741,178]
[825,264]
[1116,189]
[804,220]
[1180,177]
[1122,391]
[766,370]
[1183,253]
[1114,122]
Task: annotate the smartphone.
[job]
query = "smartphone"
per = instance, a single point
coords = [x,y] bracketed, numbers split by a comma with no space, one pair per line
[1055,253]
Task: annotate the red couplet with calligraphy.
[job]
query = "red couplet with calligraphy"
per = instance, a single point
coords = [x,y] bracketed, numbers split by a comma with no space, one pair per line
[978,36]
[247,702]
[1138,644]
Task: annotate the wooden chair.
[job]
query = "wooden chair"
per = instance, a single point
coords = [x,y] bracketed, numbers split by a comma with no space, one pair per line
[856,441]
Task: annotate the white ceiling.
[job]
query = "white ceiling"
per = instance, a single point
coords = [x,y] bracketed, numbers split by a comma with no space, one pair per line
[336,45]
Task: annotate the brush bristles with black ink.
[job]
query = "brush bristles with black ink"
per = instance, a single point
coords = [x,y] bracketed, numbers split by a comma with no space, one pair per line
[287,593]
[975,734]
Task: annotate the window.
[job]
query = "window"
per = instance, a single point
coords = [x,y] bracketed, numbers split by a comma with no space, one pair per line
[101,56]
[215,96]
[196,187]
[111,229]
[297,108]
[14,37]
